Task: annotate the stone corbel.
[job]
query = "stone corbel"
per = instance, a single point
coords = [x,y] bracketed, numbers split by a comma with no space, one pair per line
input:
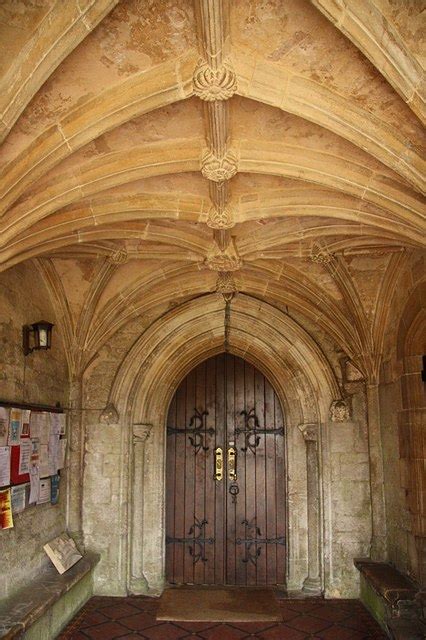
[138,583]
[312,583]
[109,415]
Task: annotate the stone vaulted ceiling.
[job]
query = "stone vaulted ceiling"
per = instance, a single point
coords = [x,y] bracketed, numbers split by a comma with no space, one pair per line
[154,151]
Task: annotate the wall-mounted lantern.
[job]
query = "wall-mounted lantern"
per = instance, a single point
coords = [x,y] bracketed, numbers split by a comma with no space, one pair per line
[36,336]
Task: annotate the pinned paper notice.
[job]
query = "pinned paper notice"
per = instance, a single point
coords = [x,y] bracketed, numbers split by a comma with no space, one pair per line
[44,492]
[4,426]
[15,426]
[4,466]
[6,519]
[34,484]
[18,496]
[25,456]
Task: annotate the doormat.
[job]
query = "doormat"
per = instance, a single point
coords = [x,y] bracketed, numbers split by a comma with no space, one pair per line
[218,604]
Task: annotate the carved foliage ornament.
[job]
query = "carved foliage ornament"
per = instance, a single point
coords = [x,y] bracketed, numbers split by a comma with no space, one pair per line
[220,218]
[219,169]
[214,84]
[227,260]
[339,411]
[225,283]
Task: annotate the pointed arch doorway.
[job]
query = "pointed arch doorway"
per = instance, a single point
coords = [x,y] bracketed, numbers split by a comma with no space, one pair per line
[226,490]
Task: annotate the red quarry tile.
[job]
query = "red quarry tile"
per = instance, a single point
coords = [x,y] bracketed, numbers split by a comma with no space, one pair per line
[338,632]
[330,612]
[139,621]
[106,631]
[92,617]
[308,623]
[133,617]
[282,632]
[164,631]
[196,626]
[252,627]
[223,632]
[117,611]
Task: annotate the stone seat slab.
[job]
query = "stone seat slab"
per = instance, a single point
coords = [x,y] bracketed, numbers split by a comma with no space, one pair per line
[23,609]
[387,581]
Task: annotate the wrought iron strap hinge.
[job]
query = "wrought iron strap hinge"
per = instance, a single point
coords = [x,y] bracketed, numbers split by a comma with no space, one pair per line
[196,432]
[196,542]
[253,539]
[252,431]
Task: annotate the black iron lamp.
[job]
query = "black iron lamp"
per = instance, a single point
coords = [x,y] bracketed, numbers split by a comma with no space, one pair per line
[37,336]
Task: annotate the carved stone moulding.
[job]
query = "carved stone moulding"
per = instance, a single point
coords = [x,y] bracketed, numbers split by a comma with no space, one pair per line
[220,218]
[309,432]
[120,256]
[340,411]
[225,283]
[219,169]
[214,84]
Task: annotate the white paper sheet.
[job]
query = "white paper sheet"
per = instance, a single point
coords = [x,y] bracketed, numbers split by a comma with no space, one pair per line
[44,460]
[57,423]
[4,426]
[44,492]
[40,426]
[25,427]
[18,494]
[15,426]
[25,456]
[34,484]
[4,466]
[54,454]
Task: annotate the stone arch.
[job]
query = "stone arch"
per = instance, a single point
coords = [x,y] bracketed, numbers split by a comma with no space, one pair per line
[145,384]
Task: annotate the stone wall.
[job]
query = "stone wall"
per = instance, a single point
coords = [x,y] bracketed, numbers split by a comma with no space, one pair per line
[402,408]
[39,378]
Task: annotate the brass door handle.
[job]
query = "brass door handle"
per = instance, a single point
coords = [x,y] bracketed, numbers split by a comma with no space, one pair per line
[232,464]
[218,455]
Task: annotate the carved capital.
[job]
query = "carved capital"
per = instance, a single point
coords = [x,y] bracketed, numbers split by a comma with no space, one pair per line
[320,254]
[220,218]
[141,433]
[109,415]
[309,432]
[340,411]
[219,169]
[214,84]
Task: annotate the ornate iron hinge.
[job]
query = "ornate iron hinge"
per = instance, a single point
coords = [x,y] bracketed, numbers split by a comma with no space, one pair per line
[195,541]
[253,539]
[196,432]
[252,431]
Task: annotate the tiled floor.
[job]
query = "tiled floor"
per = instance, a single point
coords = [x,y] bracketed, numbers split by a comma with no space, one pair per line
[133,618]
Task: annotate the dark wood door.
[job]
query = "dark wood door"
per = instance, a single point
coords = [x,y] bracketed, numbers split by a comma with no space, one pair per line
[229,531]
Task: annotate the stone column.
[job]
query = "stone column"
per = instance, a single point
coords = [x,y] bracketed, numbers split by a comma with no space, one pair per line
[138,583]
[378,515]
[312,584]
[74,466]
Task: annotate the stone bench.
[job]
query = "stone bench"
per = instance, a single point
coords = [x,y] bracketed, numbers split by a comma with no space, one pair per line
[40,610]
[392,598]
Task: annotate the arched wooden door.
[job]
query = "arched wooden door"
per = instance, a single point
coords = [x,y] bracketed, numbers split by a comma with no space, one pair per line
[228,530]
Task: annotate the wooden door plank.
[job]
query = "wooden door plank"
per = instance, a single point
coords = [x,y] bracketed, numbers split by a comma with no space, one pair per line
[220,520]
[241,567]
